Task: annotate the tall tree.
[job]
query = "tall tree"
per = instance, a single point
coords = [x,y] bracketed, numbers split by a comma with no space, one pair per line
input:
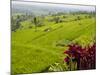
[35,22]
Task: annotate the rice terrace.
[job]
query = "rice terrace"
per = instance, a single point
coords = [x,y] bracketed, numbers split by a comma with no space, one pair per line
[52,37]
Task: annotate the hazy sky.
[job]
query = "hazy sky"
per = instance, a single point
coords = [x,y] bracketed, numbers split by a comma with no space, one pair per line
[88,2]
[57,5]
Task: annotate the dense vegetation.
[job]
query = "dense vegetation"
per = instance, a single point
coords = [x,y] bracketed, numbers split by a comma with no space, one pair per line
[39,41]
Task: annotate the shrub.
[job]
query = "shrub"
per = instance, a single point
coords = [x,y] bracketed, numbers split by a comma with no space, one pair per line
[84,57]
[30,27]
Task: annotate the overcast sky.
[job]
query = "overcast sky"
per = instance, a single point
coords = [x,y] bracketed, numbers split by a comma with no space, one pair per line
[90,8]
[88,2]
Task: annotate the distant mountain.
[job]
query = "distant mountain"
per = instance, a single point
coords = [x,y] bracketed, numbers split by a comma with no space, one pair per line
[37,10]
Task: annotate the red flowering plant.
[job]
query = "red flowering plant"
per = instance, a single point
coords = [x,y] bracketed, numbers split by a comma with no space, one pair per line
[84,57]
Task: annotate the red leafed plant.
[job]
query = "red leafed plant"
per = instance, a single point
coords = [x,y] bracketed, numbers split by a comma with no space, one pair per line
[84,57]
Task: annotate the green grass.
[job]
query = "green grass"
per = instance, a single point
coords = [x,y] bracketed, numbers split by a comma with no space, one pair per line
[34,52]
